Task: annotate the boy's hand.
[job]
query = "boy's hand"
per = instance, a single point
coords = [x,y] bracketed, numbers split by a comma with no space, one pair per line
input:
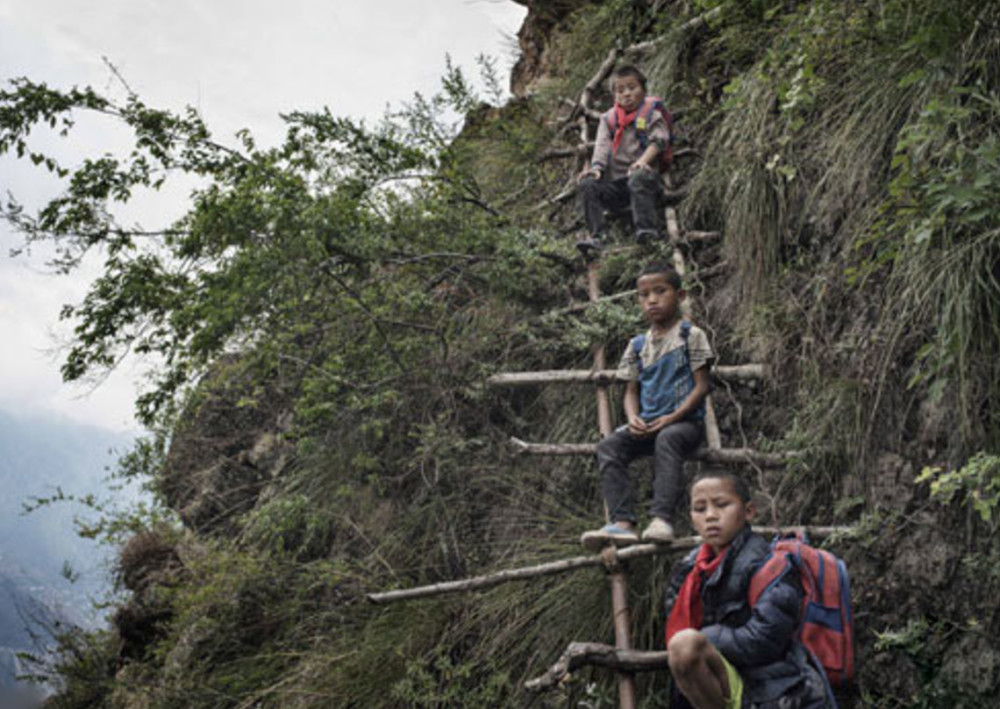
[637,426]
[638,165]
[588,172]
[658,424]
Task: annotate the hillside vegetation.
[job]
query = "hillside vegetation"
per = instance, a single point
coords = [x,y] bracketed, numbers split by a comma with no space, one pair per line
[328,309]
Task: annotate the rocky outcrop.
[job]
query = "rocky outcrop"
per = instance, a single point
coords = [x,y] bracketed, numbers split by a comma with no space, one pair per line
[535,40]
[226,449]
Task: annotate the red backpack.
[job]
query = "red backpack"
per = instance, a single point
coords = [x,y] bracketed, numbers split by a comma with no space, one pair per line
[642,120]
[827,623]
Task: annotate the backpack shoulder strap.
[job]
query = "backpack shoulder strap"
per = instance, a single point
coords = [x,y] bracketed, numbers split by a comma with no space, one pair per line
[643,117]
[774,568]
[611,118]
[686,337]
[638,342]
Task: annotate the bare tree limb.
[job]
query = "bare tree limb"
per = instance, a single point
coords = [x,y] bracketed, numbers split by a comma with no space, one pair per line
[579,655]
[700,236]
[555,153]
[603,72]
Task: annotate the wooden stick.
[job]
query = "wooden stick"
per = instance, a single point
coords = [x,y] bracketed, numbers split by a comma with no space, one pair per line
[568,192]
[555,153]
[700,236]
[636,551]
[619,583]
[603,401]
[579,655]
[676,257]
[580,307]
[723,456]
[673,230]
[686,153]
[739,372]
[603,72]
[703,274]
[712,436]
[692,24]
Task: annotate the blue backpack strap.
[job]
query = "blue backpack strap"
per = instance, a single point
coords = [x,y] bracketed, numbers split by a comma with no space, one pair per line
[638,342]
[686,336]
[643,119]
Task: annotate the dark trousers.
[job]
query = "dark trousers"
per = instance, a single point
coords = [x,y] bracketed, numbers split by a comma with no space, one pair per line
[670,447]
[642,192]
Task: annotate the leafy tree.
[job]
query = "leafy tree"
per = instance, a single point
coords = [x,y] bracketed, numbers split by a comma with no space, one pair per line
[338,223]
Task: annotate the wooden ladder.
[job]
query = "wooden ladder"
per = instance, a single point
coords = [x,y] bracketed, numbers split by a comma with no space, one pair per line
[621,657]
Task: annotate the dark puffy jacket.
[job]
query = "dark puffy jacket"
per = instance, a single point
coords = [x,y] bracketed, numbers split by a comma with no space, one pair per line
[760,641]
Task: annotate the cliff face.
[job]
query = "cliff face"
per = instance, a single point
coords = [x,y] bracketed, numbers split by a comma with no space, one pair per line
[535,40]
[844,152]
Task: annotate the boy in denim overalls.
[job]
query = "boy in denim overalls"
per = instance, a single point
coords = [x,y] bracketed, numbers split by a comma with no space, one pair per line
[668,380]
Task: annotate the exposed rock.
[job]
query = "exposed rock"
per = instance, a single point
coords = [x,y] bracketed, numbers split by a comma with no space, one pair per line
[534,38]
[227,447]
[898,675]
[972,665]
[924,556]
[892,486]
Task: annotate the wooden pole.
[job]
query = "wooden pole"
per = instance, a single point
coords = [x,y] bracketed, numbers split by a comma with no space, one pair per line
[619,586]
[731,373]
[722,456]
[603,401]
[712,436]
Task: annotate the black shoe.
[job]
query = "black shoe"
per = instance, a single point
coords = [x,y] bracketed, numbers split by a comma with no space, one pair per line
[590,248]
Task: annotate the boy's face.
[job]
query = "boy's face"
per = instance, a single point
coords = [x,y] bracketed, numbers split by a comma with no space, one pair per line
[660,301]
[628,93]
[717,512]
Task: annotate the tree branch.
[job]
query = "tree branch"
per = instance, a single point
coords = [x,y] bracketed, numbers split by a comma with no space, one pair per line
[579,655]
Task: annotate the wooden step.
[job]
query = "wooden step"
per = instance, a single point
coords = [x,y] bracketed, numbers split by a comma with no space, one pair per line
[603,377]
[636,551]
[699,276]
[722,456]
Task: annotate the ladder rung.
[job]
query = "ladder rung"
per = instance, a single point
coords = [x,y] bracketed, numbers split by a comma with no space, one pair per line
[723,456]
[636,551]
[603,377]
[700,236]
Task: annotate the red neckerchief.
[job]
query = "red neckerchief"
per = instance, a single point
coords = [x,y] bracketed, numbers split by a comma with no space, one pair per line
[686,612]
[624,119]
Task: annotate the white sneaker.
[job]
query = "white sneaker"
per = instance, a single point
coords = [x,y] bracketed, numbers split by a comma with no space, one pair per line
[597,539]
[659,531]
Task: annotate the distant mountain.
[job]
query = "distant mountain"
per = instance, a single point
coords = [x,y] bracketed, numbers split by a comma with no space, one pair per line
[37,458]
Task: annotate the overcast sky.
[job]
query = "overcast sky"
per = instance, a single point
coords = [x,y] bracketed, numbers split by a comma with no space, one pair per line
[241,64]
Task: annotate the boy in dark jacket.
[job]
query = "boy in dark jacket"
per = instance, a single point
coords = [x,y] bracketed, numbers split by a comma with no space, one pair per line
[723,653]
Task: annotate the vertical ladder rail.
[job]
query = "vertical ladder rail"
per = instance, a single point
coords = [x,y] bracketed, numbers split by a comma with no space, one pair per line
[712,435]
[619,587]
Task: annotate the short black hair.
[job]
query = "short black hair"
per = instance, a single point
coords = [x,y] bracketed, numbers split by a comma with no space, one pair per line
[666,270]
[629,70]
[740,486]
